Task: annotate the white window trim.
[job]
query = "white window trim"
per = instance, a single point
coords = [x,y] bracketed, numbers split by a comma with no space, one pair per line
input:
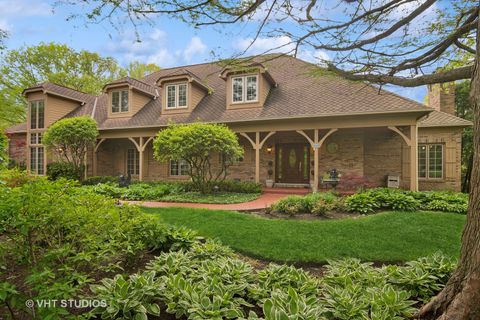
[244,88]
[177,96]
[119,101]
[427,161]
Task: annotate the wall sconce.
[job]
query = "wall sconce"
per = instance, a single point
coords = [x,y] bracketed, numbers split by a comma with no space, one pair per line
[269,149]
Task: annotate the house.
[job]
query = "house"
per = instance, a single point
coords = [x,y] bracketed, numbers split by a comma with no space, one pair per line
[294,127]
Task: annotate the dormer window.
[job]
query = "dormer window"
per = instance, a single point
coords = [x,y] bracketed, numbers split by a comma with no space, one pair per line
[176,96]
[245,89]
[120,101]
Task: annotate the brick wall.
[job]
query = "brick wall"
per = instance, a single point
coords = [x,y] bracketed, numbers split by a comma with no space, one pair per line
[17,150]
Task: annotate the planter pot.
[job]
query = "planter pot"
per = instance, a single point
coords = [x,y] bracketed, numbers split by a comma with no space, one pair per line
[269,183]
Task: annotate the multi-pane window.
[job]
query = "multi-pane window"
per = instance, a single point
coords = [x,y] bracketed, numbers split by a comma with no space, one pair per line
[133,162]
[179,168]
[36,160]
[430,161]
[120,101]
[37,114]
[36,138]
[245,89]
[177,96]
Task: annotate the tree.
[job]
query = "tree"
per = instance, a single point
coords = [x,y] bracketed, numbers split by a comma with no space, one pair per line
[69,139]
[198,144]
[379,41]
[22,68]
[3,150]
[464,110]
[139,70]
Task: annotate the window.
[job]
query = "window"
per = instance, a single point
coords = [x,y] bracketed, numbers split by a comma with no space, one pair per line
[245,89]
[36,160]
[133,162]
[37,114]
[177,96]
[35,138]
[430,161]
[179,168]
[120,101]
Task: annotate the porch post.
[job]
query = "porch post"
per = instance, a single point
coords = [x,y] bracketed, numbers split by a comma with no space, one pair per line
[257,157]
[414,158]
[140,160]
[315,161]
[94,162]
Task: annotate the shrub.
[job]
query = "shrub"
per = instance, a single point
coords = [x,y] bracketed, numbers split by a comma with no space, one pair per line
[91,181]
[15,177]
[140,191]
[196,144]
[3,150]
[57,170]
[361,202]
[70,138]
[290,205]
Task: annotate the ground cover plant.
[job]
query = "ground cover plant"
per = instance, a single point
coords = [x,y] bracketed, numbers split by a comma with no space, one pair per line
[209,281]
[226,191]
[387,236]
[373,200]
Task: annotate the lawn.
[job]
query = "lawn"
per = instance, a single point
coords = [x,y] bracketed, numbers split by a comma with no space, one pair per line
[388,236]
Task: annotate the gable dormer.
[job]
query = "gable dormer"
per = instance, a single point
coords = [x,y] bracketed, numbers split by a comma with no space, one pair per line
[247,86]
[181,91]
[127,96]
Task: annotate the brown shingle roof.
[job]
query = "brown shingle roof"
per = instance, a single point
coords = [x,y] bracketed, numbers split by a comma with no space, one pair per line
[135,83]
[442,119]
[62,91]
[299,94]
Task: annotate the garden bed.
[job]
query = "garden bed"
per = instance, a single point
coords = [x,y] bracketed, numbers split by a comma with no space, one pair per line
[224,192]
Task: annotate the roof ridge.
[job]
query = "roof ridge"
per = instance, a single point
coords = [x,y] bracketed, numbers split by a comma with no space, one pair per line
[59,85]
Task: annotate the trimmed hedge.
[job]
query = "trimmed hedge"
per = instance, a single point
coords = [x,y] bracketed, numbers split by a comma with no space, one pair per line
[57,170]
[316,203]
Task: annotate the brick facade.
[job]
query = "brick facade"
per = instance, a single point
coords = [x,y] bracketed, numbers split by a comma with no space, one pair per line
[17,148]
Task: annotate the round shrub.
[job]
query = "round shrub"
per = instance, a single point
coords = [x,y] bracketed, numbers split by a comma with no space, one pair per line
[290,205]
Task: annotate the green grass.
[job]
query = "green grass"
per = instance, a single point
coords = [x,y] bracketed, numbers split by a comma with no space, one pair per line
[388,236]
[221,197]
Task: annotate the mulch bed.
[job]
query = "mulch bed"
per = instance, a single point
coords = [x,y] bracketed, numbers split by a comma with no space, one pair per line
[333,215]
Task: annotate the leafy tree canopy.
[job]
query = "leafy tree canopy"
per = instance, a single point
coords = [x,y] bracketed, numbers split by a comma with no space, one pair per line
[3,150]
[69,139]
[139,70]
[199,144]
[21,68]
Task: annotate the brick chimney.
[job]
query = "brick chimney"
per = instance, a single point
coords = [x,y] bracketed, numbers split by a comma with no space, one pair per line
[441,97]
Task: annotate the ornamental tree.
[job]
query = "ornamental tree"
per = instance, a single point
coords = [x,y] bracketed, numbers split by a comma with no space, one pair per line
[3,150]
[199,144]
[69,139]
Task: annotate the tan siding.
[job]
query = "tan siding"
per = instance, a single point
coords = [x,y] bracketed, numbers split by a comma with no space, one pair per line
[196,94]
[56,108]
[139,100]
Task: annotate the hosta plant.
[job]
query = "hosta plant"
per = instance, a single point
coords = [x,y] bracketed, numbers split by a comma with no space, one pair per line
[132,298]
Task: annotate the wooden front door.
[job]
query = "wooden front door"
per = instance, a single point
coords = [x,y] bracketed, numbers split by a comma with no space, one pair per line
[292,163]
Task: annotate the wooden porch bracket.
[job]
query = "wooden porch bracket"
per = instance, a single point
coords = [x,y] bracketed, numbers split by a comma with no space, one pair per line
[401,134]
[257,145]
[316,144]
[95,150]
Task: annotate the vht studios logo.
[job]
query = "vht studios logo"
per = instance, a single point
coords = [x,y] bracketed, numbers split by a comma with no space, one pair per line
[66,303]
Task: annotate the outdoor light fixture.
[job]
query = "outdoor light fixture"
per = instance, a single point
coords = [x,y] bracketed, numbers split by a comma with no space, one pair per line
[269,149]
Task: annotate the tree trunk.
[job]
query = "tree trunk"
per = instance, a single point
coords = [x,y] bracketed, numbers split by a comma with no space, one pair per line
[460,299]
[468,175]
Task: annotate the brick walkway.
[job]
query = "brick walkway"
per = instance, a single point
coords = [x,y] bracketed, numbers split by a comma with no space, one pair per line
[265,200]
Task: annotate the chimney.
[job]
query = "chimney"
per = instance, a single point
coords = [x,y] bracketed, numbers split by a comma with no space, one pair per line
[441,97]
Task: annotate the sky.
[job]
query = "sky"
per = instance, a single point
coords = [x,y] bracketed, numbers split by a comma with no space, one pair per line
[165,42]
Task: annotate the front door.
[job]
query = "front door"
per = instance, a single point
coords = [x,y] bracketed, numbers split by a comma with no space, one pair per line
[292,163]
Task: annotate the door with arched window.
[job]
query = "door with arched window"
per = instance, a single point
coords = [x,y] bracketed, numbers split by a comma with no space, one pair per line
[292,163]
